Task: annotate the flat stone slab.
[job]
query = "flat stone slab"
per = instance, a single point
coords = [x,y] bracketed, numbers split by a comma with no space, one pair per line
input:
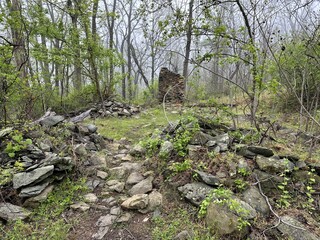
[52,120]
[26,178]
[34,190]
[208,178]
[10,212]
[195,192]
[142,187]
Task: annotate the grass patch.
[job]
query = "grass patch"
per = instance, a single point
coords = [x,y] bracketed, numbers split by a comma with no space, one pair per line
[134,128]
[46,221]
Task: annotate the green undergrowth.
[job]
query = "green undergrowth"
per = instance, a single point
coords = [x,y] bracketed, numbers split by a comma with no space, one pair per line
[166,227]
[136,127]
[47,220]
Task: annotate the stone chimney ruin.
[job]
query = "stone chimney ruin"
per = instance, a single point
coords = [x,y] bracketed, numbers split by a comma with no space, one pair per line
[171,86]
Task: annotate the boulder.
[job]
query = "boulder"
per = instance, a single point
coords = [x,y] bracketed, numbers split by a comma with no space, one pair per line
[223,222]
[253,197]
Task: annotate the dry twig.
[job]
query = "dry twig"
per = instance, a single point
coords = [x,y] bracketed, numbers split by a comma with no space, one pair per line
[274,213]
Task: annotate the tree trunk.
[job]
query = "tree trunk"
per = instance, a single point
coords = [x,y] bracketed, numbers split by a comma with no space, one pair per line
[188,44]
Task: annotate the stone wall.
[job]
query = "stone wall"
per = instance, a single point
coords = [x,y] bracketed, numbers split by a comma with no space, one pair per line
[171,85]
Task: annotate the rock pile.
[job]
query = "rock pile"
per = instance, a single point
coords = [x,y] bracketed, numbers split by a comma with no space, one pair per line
[29,168]
[109,108]
[252,172]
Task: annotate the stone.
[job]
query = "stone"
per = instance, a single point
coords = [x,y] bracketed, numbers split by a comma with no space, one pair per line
[45,147]
[10,212]
[274,164]
[98,160]
[295,233]
[115,210]
[26,162]
[116,185]
[207,178]
[111,201]
[242,150]
[90,146]
[222,222]
[195,152]
[250,212]
[195,192]
[266,152]
[92,128]
[34,190]
[134,178]
[107,220]
[117,172]
[127,158]
[52,120]
[4,132]
[34,152]
[35,201]
[155,201]
[211,144]
[131,167]
[138,151]
[92,184]
[201,138]
[304,177]
[253,197]
[90,198]
[60,163]
[144,186]
[26,178]
[183,235]
[102,232]
[80,150]
[125,217]
[268,182]
[82,206]
[166,149]
[136,202]
[223,138]
[102,174]
[114,147]
[149,173]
